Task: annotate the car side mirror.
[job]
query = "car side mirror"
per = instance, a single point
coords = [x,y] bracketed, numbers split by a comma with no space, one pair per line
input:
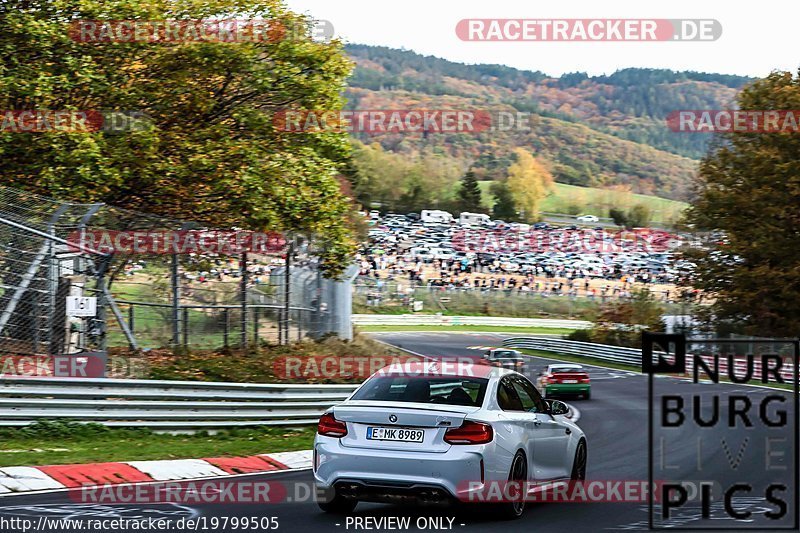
[557,407]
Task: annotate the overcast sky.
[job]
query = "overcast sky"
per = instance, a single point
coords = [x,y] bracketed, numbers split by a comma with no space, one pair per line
[757,37]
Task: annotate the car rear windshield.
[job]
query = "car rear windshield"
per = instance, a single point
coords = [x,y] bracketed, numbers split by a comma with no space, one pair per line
[566,369]
[455,390]
[507,355]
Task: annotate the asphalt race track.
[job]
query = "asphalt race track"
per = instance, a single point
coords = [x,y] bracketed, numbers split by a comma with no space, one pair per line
[615,421]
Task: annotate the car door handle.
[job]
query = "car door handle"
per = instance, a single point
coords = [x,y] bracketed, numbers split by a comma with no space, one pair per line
[569,431]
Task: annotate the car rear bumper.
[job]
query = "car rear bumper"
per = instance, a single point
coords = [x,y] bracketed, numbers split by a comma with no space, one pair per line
[397,492]
[382,475]
[568,388]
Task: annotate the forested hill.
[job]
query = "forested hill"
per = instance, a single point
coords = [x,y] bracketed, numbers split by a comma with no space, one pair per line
[593,130]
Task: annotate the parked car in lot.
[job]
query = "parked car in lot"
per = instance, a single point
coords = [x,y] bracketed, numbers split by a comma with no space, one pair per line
[510,359]
[564,379]
[434,433]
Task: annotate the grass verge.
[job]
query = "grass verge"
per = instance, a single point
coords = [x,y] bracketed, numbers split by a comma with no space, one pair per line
[47,443]
[262,365]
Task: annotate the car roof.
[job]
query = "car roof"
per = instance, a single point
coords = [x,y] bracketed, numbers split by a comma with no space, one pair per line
[565,365]
[442,369]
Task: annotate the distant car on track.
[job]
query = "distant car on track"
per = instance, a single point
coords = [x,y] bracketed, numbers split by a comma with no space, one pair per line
[426,432]
[504,358]
[588,219]
[562,379]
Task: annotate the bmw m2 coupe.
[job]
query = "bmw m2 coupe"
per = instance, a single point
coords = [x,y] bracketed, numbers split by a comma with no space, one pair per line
[433,433]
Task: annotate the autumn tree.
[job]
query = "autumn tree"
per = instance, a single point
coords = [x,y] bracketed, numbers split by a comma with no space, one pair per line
[405,182]
[619,216]
[639,216]
[621,323]
[529,182]
[749,190]
[210,150]
[470,198]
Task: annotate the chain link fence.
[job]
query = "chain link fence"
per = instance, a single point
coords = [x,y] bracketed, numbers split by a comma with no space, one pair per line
[62,291]
[382,296]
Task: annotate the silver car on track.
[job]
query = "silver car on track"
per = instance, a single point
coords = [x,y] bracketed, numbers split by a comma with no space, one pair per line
[433,432]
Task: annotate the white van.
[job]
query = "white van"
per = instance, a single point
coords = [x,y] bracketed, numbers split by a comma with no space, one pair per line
[434,216]
[473,219]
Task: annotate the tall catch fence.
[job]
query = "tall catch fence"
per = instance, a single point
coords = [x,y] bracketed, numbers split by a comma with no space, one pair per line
[66,287]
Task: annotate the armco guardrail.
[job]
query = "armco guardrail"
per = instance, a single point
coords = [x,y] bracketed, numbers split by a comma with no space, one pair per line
[616,354]
[165,405]
[443,320]
[628,356]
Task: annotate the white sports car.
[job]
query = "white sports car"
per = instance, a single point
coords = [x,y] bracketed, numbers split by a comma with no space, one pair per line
[438,432]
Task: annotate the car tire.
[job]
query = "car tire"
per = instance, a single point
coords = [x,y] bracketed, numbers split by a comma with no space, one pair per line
[588,395]
[519,473]
[579,463]
[336,504]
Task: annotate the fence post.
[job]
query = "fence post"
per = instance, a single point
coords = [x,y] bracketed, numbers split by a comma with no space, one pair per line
[287,289]
[185,327]
[131,318]
[176,301]
[37,323]
[280,326]
[227,319]
[255,325]
[243,298]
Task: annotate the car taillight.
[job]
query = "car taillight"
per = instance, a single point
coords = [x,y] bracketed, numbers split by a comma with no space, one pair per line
[585,379]
[469,433]
[330,427]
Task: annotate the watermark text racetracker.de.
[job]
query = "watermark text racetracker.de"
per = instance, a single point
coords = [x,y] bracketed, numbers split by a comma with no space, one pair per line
[168,242]
[578,240]
[72,121]
[255,30]
[361,367]
[734,121]
[402,121]
[588,30]
[79,365]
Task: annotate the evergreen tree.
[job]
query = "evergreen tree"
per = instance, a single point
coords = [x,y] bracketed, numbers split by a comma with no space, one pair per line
[504,206]
[469,193]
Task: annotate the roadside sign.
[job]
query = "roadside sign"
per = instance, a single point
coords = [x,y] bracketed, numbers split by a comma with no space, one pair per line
[81,306]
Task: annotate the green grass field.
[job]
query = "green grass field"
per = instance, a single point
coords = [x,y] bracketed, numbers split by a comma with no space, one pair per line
[571,199]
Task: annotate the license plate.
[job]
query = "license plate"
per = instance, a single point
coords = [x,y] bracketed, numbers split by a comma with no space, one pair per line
[570,381]
[395,434]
